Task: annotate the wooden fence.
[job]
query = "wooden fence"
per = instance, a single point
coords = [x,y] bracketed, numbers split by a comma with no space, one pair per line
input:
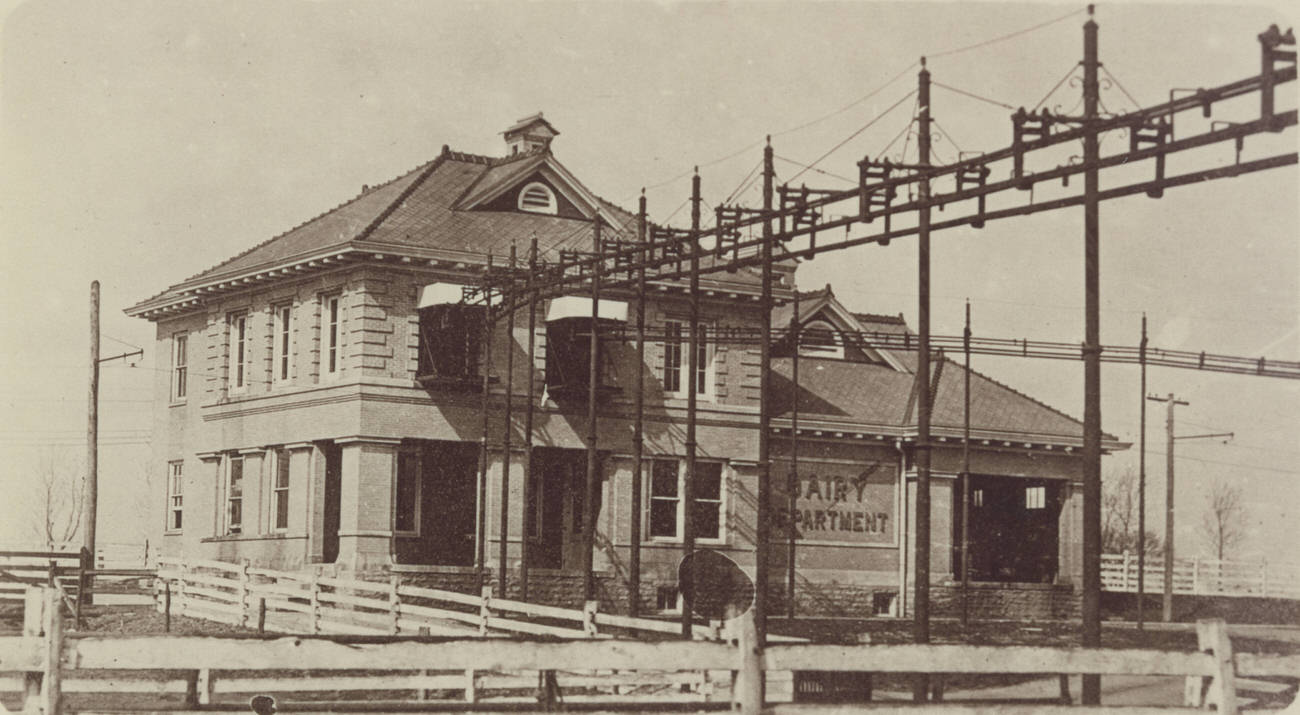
[208,672]
[291,602]
[1203,577]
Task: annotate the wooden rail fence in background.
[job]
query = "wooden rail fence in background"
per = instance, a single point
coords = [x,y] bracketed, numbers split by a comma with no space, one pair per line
[200,671]
[1203,577]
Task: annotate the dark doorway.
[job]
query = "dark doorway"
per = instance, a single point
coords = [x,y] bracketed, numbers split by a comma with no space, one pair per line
[333,491]
[1014,529]
[439,480]
[555,518]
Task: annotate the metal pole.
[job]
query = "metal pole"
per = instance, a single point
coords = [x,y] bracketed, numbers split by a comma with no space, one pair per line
[793,477]
[480,531]
[763,534]
[593,466]
[965,478]
[90,498]
[1142,479]
[528,497]
[638,424]
[1091,684]
[921,606]
[503,548]
[692,389]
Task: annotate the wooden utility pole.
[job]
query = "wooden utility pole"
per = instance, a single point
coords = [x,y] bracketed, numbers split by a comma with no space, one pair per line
[593,457]
[638,426]
[763,547]
[692,397]
[1091,606]
[480,528]
[528,495]
[503,548]
[90,498]
[1142,480]
[921,596]
[965,476]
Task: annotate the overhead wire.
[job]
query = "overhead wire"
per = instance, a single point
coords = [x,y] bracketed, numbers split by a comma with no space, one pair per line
[811,168]
[1008,36]
[972,95]
[854,135]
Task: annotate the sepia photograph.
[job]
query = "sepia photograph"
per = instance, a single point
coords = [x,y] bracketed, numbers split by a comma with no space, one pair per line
[633,355]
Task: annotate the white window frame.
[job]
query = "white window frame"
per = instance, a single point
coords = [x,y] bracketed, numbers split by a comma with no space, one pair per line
[331,335]
[240,360]
[229,527]
[723,492]
[175,497]
[282,343]
[835,350]
[280,492]
[552,206]
[180,366]
[705,369]
[417,496]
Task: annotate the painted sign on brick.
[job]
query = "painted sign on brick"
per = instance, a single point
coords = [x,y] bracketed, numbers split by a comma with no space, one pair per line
[852,503]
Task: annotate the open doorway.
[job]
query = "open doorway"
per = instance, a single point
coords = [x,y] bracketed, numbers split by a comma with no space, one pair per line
[1014,529]
[555,517]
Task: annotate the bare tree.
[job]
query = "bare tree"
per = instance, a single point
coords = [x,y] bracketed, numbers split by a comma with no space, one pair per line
[59,483]
[1119,504]
[1223,524]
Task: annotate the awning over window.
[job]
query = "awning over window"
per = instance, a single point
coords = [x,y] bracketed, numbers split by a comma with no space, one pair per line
[439,294]
[573,306]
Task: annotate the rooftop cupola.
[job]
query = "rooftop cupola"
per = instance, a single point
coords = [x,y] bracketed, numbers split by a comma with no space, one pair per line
[531,132]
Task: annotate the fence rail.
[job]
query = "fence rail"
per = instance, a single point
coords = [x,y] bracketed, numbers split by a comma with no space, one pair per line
[291,602]
[1203,577]
[207,672]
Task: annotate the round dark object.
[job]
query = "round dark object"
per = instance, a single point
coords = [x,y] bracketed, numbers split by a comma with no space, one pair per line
[714,586]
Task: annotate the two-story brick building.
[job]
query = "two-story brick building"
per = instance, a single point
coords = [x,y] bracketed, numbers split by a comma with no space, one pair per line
[322,406]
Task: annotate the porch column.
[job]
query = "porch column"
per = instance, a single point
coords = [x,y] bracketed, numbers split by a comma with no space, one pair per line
[304,507]
[366,502]
[203,510]
[1070,535]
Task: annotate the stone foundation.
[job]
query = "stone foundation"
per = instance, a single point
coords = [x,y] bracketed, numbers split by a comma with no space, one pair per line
[998,601]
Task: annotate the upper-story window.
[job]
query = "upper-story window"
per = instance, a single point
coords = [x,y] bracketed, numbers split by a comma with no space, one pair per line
[451,340]
[175,495]
[538,198]
[281,342]
[180,363]
[676,363]
[331,329]
[819,339]
[240,355]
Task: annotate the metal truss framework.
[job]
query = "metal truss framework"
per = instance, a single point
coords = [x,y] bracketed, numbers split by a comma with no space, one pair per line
[665,255]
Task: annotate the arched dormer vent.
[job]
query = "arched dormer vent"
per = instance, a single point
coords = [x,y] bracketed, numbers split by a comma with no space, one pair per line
[538,198]
[820,339]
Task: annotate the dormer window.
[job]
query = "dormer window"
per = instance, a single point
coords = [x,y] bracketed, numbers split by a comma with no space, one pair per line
[538,198]
[820,339]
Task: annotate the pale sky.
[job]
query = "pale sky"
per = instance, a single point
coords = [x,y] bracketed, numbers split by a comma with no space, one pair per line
[144,141]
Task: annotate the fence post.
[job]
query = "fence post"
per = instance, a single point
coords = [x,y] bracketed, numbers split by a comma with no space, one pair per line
[261,615]
[471,689]
[1263,578]
[315,602]
[84,582]
[204,686]
[180,584]
[33,618]
[167,606]
[1124,582]
[1196,574]
[244,605]
[1212,637]
[395,602]
[747,696]
[589,610]
[484,610]
[52,679]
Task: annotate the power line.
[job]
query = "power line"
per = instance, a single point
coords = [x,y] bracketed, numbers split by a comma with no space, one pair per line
[852,136]
[972,95]
[1008,36]
[1229,464]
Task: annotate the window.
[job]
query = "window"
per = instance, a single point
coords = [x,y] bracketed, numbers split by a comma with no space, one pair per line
[667,483]
[234,494]
[537,198]
[676,347]
[175,495]
[280,491]
[180,361]
[281,342]
[330,334]
[1035,497]
[406,497]
[451,338]
[977,497]
[240,362]
[820,339]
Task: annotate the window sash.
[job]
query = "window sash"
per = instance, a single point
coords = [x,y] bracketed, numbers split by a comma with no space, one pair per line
[235,495]
[666,515]
[175,495]
[281,342]
[280,492]
[676,349]
[330,317]
[672,356]
[180,344]
[239,354]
